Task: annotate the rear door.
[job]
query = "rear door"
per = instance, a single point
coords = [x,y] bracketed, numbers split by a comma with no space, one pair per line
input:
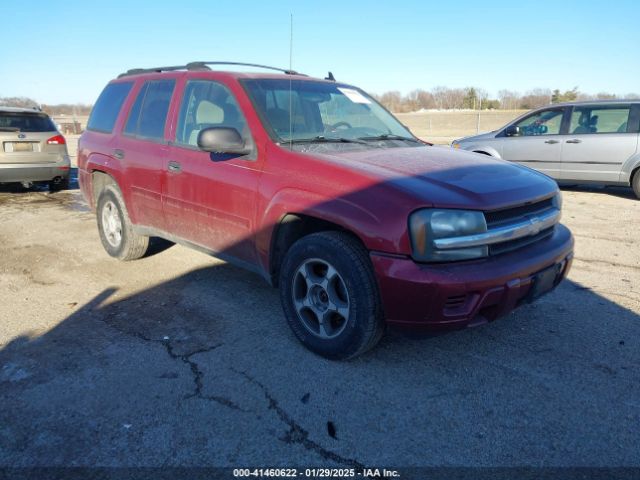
[599,141]
[210,199]
[27,137]
[539,144]
[142,148]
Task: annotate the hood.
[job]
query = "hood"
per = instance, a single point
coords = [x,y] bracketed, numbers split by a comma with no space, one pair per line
[447,178]
[475,138]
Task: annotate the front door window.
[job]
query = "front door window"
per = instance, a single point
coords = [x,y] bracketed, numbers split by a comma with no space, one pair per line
[207,104]
[546,122]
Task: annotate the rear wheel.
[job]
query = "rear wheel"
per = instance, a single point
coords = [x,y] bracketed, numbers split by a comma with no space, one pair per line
[635,183]
[330,297]
[116,231]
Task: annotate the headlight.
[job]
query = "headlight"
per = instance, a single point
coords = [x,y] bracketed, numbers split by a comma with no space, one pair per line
[430,224]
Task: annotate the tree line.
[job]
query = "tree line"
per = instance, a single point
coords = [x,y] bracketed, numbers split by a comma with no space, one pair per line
[472,98]
[439,98]
[68,109]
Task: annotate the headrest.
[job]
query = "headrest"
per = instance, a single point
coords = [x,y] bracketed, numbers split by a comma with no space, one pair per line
[208,112]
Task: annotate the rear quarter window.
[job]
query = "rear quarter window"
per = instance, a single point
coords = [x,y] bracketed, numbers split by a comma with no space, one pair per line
[105,111]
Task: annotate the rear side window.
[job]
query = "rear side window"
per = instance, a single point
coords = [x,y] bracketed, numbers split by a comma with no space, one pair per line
[634,119]
[149,112]
[105,111]
[25,122]
[600,119]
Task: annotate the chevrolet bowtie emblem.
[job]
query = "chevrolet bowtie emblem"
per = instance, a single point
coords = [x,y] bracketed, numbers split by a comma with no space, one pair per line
[535,224]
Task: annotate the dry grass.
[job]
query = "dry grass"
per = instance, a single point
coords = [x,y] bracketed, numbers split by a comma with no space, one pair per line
[445,126]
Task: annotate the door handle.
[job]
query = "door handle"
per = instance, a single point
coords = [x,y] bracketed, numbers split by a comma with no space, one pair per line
[174,167]
[119,154]
[551,141]
[575,140]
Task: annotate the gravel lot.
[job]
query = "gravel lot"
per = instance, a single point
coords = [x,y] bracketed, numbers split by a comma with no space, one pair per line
[180,359]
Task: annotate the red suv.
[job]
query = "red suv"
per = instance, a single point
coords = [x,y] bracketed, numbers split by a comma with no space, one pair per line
[315,186]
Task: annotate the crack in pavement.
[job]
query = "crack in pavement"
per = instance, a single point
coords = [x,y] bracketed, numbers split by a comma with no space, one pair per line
[198,374]
[194,368]
[296,433]
[606,263]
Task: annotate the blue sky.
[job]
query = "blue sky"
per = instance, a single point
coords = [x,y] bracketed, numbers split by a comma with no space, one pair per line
[67,51]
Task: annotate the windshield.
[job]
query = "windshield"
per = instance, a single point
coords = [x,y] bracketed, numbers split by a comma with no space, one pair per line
[25,122]
[308,111]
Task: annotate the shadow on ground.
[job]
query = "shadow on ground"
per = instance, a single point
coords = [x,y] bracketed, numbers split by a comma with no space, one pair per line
[202,370]
[622,192]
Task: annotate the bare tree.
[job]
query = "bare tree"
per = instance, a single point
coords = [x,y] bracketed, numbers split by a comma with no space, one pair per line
[439,97]
[22,102]
[445,98]
[509,99]
[418,99]
[535,98]
[392,101]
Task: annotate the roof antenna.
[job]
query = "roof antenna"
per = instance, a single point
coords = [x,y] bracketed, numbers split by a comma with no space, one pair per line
[330,77]
[290,82]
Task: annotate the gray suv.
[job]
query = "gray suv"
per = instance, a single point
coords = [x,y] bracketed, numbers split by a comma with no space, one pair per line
[581,142]
[32,149]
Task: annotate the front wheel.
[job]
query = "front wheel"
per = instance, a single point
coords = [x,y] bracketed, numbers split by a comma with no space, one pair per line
[116,231]
[330,296]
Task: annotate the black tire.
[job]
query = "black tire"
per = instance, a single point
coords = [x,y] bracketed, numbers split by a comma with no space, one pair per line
[356,332]
[127,245]
[635,183]
[61,185]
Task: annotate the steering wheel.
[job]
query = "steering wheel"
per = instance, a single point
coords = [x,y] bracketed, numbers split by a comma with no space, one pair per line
[343,125]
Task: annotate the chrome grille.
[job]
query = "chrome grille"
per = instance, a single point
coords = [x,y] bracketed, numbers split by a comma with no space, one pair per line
[509,228]
[505,247]
[506,216]
[515,214]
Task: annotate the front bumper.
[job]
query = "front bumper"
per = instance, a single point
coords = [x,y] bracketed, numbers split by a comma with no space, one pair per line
[35,172]
[462,294]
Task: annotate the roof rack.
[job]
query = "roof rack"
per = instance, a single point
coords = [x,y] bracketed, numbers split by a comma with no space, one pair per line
[191,66]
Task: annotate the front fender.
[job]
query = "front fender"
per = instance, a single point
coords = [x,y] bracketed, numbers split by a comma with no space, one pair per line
[483,149]
[346,212]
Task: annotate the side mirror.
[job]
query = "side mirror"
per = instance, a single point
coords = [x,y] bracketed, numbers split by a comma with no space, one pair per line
[512,131]
[222,140]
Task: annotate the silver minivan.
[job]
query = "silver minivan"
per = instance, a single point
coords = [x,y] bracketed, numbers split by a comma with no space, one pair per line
[580,142]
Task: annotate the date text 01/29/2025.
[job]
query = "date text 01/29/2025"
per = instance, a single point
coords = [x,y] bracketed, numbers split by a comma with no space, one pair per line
[315,473]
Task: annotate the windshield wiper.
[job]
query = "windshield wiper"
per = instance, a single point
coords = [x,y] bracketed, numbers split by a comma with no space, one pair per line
[9,129]
[323,139]
[389,136]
